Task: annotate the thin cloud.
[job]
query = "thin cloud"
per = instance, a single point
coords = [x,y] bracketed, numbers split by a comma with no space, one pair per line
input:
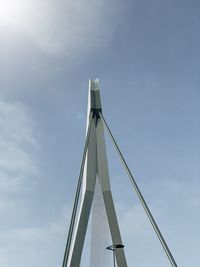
[16,142]
[66,26]
[44,244]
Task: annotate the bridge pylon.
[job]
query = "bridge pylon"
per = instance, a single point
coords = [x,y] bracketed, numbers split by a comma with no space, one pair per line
[94,167]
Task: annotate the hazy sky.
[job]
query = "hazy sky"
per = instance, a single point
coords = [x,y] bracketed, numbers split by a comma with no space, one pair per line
[146,55]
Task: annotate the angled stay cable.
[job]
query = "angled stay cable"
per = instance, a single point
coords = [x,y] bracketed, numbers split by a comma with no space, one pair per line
[141,198]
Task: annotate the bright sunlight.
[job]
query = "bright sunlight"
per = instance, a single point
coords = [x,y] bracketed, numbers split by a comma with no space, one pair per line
[12,11]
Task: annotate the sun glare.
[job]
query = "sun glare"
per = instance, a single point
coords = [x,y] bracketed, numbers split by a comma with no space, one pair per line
[11,11]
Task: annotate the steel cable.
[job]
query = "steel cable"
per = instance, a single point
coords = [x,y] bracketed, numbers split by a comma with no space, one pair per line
[141,198]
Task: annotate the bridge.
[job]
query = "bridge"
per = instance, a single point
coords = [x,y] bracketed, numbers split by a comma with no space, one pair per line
[94,195]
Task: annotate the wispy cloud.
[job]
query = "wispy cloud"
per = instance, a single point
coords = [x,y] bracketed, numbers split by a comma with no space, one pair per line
[66,26]
[44,244]
[49,231]
[16,143]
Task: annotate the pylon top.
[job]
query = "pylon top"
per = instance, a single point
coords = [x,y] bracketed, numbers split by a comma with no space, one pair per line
[95,99]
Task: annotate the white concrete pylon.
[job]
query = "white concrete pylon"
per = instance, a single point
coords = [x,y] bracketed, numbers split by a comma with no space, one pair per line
[96,167]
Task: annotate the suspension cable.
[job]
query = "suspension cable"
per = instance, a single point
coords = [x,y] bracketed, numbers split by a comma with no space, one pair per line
[77,195]
[141,198]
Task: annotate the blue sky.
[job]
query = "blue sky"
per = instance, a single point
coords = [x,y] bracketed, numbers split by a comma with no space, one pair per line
[146,55]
